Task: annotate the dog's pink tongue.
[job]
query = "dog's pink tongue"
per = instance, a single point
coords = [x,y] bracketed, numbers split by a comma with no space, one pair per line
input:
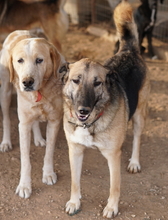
[39,96]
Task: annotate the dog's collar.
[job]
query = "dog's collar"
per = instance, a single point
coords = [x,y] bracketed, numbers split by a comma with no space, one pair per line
[85,125]
[39,96]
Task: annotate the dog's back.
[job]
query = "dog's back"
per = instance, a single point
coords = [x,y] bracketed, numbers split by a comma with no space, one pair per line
[127,63]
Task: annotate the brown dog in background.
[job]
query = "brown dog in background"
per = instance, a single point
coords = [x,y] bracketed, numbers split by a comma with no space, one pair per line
[48,14]
[99,100]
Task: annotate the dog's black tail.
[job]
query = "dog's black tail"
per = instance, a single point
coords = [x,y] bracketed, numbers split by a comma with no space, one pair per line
[126,27]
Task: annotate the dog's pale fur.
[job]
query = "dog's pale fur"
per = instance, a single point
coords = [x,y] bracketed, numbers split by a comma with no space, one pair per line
[33,64]
[6,86]
[98,102]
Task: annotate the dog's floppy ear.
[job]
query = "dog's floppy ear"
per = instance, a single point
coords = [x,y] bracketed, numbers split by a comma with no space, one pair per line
[64,70]
[111,77]
[55,57]
[11,69]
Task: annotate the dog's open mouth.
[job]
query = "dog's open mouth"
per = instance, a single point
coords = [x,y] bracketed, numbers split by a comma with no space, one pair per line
[82,117]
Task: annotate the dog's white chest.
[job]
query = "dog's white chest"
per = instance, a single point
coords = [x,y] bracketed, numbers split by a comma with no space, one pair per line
[83,136]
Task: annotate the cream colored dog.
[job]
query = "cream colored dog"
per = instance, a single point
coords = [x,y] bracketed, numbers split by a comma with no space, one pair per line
[6,86]
[33,64]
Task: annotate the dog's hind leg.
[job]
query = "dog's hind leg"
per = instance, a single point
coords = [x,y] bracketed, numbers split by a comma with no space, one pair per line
[141,35]
[6,93]
[38,139]
[150,46]
[138,125]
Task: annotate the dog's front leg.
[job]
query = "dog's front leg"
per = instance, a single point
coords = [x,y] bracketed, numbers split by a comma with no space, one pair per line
[76,159]
[49,177]
[24,188]
[113,158]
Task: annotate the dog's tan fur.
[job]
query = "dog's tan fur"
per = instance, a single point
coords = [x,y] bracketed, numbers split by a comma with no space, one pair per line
[34,59]
[97,109]
[50,16]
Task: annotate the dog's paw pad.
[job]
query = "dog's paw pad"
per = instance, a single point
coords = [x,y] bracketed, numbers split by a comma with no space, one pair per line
[5,146]
[50,179]
[134,168]
[23,192]
[110,212]
[40,142]
[72,208]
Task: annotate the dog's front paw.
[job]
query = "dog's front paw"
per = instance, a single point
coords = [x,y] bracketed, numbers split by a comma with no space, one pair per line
[49,179]
[24,191]
[134,167]
[110,212]
[40,142]
[72,208]
[5,146]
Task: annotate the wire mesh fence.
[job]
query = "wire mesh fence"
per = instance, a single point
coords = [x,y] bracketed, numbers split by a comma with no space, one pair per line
[99,11]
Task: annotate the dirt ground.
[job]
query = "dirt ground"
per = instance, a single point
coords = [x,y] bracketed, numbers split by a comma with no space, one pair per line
[144,196]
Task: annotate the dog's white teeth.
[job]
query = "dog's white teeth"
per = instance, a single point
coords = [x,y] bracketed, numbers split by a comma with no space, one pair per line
[83,117]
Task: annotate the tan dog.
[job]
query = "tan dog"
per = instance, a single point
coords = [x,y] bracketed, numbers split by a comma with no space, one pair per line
[49,15]
[6,86]
[33,66]
[98,102]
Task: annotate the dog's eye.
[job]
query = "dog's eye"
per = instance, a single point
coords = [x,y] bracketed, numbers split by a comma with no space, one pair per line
[76,81]
[39,60]
[20,60]
[97,84]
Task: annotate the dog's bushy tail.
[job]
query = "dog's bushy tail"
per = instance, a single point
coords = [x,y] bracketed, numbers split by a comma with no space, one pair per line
[126,27]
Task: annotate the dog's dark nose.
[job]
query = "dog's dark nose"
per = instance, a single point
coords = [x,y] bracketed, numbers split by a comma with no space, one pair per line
[28,82]
[84,110]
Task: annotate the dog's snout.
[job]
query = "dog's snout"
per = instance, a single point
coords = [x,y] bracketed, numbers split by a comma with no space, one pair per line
[84,110]
[28,82]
